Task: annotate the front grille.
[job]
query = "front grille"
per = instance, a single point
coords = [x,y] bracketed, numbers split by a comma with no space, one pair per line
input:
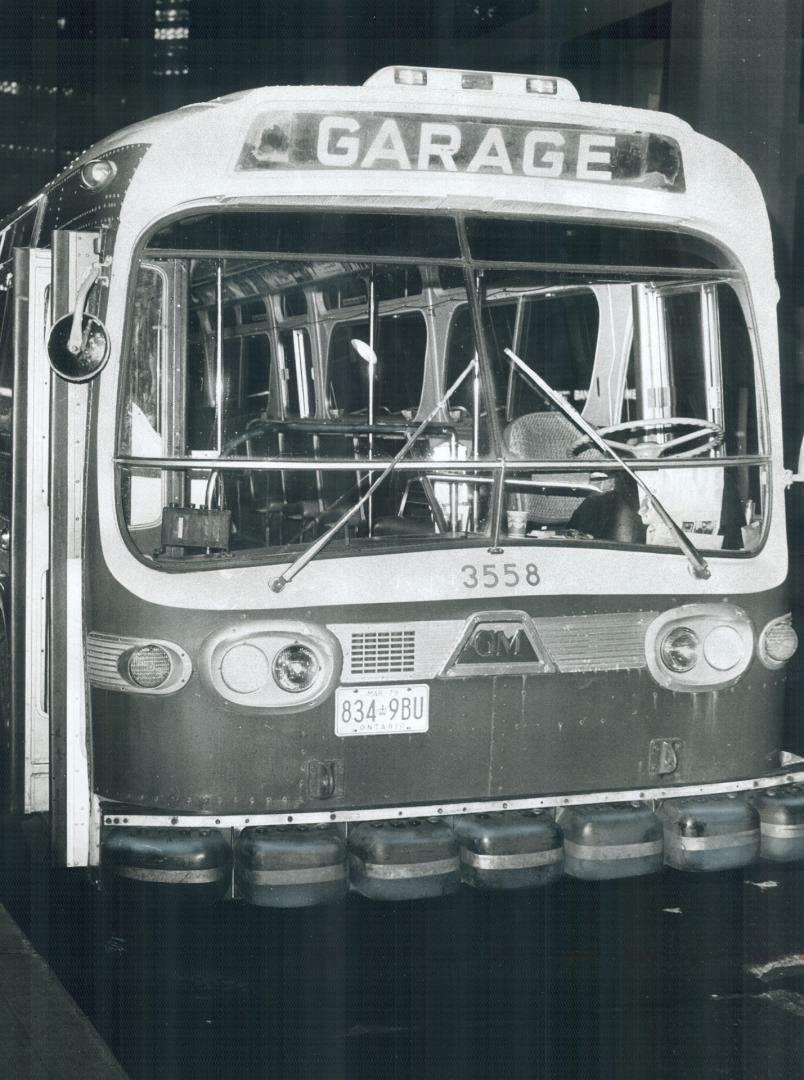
[103,655]
[389,652]
[608,642]
[379,652]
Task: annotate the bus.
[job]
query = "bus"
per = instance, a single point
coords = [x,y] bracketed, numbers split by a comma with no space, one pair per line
[393,498]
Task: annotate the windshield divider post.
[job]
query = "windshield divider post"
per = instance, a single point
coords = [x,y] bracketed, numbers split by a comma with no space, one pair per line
[496,507]
[475,434]
[473,283]
[372,373]
[219,356]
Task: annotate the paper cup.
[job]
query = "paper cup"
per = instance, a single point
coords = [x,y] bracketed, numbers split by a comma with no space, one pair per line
[517,522]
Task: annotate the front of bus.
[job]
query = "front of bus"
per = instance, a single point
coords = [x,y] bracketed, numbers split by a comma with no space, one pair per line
[440,528]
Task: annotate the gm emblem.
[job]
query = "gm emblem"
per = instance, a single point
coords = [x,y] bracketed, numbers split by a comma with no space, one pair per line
[497,643]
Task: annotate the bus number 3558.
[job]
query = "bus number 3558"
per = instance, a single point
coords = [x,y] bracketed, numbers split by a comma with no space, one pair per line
[489,576]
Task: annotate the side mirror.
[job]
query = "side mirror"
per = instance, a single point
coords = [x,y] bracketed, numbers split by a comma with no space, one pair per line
[78,347]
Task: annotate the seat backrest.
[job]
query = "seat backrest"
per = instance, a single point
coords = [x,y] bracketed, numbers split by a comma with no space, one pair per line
[544,436]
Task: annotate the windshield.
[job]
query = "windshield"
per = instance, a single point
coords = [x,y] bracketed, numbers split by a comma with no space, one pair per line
[253,416]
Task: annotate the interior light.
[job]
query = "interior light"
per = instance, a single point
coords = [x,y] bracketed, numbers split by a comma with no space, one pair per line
[540,84]
[410,76]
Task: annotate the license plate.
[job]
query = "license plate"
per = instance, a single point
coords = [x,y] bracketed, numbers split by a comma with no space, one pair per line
[381,710]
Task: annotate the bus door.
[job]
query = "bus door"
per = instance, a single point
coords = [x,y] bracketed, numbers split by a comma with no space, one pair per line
[47,633]
[29,534]
[74,259]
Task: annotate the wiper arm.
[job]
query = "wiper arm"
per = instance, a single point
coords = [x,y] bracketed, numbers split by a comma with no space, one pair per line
[278,584]
[699,566]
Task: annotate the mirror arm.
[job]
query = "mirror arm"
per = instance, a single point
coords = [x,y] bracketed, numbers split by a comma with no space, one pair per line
[75,340]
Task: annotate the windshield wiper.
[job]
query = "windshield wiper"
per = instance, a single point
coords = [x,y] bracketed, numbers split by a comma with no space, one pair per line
[698,564]
[278,584]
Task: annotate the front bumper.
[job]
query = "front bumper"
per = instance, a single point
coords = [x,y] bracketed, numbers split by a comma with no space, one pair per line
[408,852]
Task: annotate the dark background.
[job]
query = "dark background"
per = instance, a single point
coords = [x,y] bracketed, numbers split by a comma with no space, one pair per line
[657,978]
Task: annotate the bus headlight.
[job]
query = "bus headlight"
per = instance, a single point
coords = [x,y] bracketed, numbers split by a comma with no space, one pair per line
[272,664]
[699,647]
[723,648]
[679,649]
[295,668]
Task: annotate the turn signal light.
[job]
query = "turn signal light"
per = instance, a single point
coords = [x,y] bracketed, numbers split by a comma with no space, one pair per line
[149,666]
[778,642]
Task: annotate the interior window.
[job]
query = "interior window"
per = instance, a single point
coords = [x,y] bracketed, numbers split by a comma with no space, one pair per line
[401,344]
[299,396]
[558,339]
[461,348]
[257,377]
[685,354]
[739,392]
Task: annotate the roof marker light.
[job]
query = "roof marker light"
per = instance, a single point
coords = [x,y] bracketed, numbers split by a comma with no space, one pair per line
[498,82]
[540,84]
[477,80]
[410,76]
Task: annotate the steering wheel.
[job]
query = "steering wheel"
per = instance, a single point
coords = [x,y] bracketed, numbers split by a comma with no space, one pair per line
[705,435]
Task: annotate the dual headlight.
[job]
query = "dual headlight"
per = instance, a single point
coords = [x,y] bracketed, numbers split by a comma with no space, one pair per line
[295,668]
[709,646]
[281,665]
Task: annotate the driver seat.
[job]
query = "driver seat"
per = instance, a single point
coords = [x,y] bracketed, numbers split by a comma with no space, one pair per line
[548,436]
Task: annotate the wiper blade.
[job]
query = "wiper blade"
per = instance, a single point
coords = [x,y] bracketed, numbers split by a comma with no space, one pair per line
[279,583]
[698,564]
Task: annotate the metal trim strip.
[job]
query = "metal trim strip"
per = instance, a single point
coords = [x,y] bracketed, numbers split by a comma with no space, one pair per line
[311,875]
[405,871]
[781,832]
[541,802]
[712,843]
[510,862]
[180,877]
[608,852]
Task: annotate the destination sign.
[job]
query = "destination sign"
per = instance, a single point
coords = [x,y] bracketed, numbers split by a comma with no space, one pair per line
[404,142]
